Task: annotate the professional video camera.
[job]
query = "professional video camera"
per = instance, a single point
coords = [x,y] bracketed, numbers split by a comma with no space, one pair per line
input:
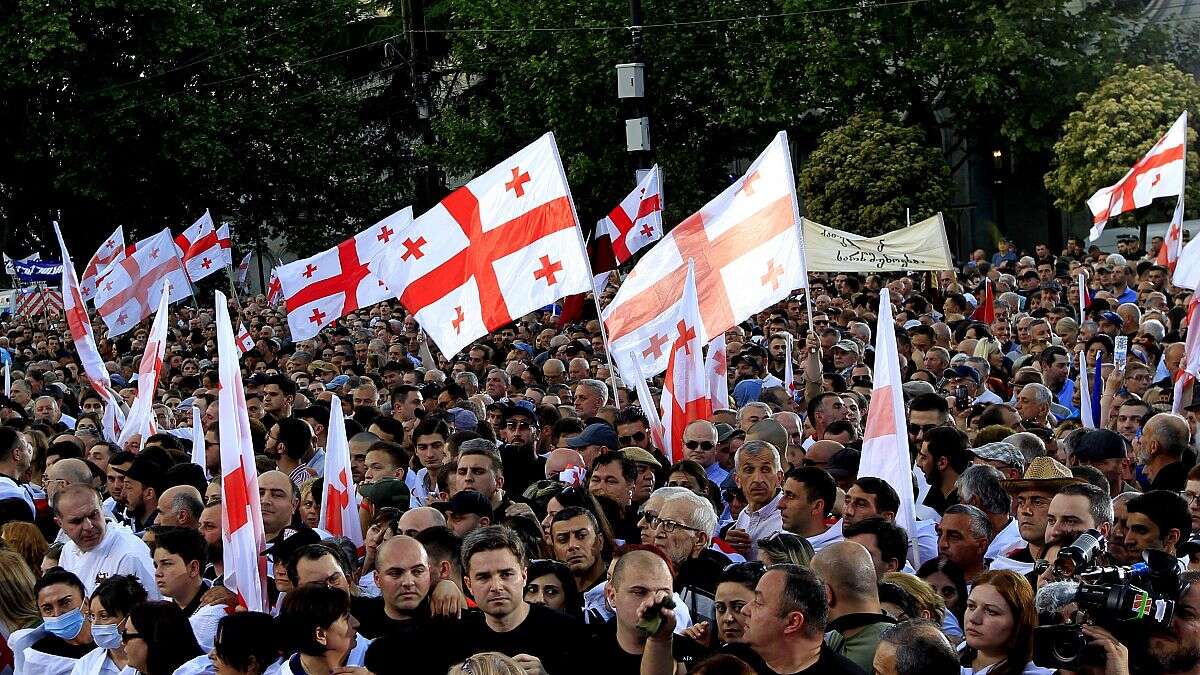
[1127,601]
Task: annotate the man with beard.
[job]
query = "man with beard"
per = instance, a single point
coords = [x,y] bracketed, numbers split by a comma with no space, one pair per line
[210,529]
[943,456]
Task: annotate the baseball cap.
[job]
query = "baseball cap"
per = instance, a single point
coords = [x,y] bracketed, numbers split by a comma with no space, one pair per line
[848,345]
[963,371]
[466,501]
[290,540]
[1097,445]
[145,471]
[385,492]
[595,434]
[463,419]
[1111,317]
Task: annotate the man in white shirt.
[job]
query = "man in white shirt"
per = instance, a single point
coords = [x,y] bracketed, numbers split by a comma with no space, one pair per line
[758,472]
[98,549]
[806,504]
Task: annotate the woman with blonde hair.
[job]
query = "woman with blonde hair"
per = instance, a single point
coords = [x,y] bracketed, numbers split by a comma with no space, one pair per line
[783,548]
[930,604]
[18,603]
[26,539]
[487,663]
[998,626]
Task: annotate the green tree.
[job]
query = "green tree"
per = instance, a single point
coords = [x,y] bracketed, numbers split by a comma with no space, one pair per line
[146,112]
[864,174]
[1114,127]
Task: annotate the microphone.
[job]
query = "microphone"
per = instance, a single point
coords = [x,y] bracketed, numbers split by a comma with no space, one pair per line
[1054,596]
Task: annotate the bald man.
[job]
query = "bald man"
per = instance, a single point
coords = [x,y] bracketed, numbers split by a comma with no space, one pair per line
[417,520]
[66,472]
[180,506]
[639,579]
[855,618]
[558,460]
[402,573]
[1160,450]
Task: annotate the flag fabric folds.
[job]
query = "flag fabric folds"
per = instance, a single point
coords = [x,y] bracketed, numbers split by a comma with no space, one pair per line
[141,420]
[112,250]
[1159,173]
[241,512]
[885,436]
[501,246]
[685,388]
[339,501]
[129,288]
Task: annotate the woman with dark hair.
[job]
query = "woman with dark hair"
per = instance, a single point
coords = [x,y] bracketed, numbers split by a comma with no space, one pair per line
[110,604]
[318,631]
[247,643]
[550,583]
[158,638]
[949,581]
[735,590]
[999,626]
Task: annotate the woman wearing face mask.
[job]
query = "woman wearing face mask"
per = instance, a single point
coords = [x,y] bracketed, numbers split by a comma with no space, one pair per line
[110,604]
[64,636]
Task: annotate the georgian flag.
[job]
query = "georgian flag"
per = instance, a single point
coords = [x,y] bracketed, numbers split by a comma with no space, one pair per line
[241,513]
[716,368]
[141,418]
[685,388]
[339,501]
[112,250]
[637,221]
[1160,173]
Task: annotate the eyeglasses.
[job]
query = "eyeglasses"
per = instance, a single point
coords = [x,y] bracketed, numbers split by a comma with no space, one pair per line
[512,424]
[1190,497]
[637,437]
[703,445]
[669,526]
[650,517]
[918,429]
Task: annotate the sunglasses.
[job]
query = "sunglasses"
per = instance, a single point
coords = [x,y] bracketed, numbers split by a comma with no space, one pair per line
[518,425]
[637,437]
[752,566]
[703,445]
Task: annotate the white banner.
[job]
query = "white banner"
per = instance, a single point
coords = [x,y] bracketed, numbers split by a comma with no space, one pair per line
[918,248]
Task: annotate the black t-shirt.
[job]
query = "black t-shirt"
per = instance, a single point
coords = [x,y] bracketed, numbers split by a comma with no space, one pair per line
[828,663]
[557,639]
[608,656]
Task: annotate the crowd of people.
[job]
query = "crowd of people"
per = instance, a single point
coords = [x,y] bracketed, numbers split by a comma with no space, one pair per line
[519,517]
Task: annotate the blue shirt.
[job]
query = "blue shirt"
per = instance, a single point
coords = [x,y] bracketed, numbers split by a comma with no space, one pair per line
[1129,295]
[716,473]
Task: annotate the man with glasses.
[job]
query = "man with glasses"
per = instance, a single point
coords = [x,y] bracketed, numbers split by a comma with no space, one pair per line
[522,463]
[683,531]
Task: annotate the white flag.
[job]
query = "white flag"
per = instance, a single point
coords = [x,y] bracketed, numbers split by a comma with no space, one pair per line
[141,418]
[339,501]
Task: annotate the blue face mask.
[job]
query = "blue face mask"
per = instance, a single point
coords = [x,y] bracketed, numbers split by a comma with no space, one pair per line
[106,636]
[65,626]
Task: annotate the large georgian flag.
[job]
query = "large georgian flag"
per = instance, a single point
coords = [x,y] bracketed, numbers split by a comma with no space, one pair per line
[747,248]
[130,287]
[112,250]
[241,513]
[333,283]
[501,246]
[1159,173]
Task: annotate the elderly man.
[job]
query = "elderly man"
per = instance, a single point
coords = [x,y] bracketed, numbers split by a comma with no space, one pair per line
[684,530]
[1160,451]
[759,473]
[96,550]
[982,486]
[180,506]
[1033,404]
[590,396]
[700,446]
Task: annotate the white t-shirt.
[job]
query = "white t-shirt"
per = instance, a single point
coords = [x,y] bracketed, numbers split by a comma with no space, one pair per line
[98,662]
[119,552]
[1006,540]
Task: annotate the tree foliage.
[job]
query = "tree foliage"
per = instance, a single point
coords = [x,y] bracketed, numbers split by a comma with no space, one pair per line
[145,112]
[1115,126]
[864,174]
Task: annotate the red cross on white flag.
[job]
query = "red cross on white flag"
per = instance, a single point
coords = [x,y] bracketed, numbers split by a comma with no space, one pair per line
[716,368]
[501,246]
[1160,173]
[241,513]
[333,283]
[637,221]
[112,250]
[185,239]
[80,328]
[339,501]
[685,387]
[141,419]
[747,248]
[209,253]
[885,438]
[130,287]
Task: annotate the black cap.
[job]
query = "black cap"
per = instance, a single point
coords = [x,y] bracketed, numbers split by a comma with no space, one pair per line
[466,501]
[146,471]
[1100,444]
[290,540]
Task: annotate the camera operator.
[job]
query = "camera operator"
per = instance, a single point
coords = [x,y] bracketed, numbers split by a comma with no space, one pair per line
[1172,650]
